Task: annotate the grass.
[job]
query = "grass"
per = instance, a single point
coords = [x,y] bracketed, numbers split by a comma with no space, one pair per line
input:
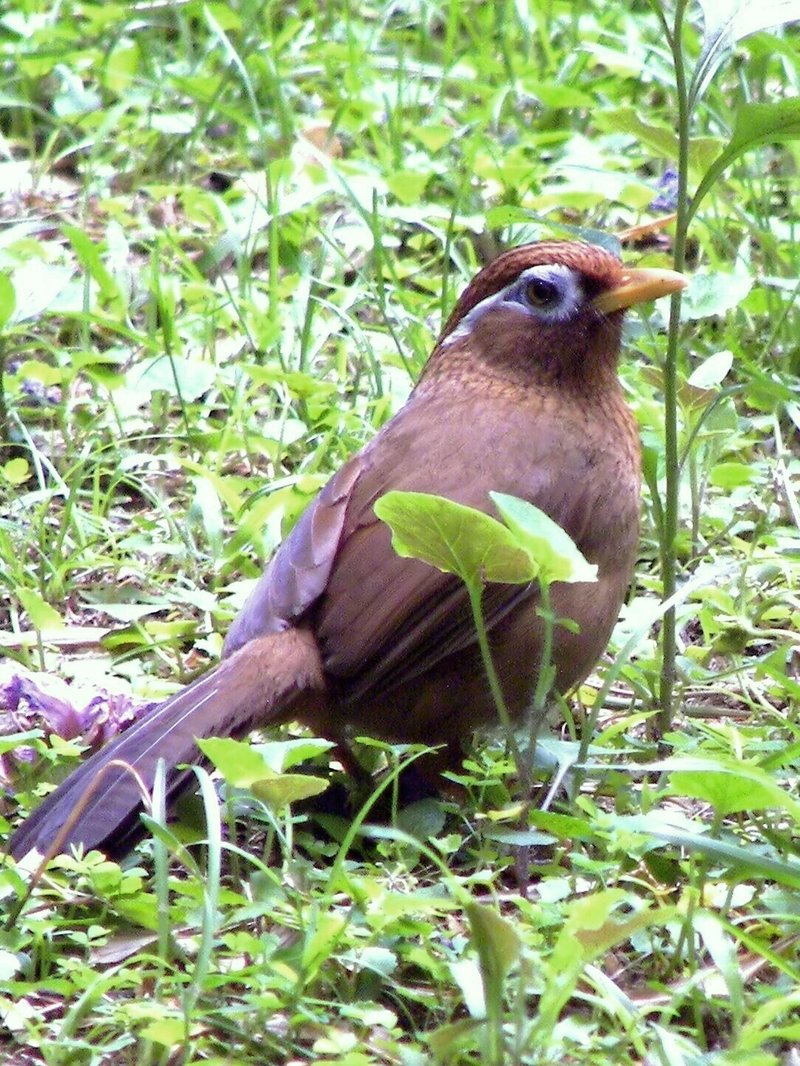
[230,235]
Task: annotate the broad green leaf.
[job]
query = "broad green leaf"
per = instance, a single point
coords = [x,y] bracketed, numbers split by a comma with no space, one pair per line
[714,294]
[323,932]
[173,374]
[303,386]
[283,789]
[729,21]
[712,371]
[755,124]
[564,826]
[179,123]
[556,95]
[732,787]
[37,285]
[36,370]
[280,755]
[131,612]
[660,137]
[497,944]
[446,1042]
[16,471]
[167,1032]
[454,538]
[423,819]
[18,740]
[121,66]
[407,185]
[433,137]
[732,475]
[238,762]
[244,766]
[554,550]
[42,616]
[519,838]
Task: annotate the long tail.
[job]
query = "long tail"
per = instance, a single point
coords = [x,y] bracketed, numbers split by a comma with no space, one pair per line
[264,682]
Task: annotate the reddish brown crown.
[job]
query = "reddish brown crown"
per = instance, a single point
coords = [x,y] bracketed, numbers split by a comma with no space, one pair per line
[600,269]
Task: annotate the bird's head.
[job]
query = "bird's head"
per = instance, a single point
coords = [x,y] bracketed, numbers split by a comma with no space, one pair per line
[550,311]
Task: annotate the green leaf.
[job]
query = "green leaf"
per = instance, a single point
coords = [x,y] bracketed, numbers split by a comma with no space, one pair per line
[761,1027]
[454,538]
[7,298]
[168,1032]
[223,487]
[556,95]
[731,787]
[660,137]
[17,740]
[90,258]
[238,762]
[322,937]
[732,475]
[755,124]
[42,616]
[653,824]
[589,931]
[497,944]
[283,789]
[714,294]
[37,286]
[407,185]
[711,371]
[280,755]
[38,371]
[175,375]
[206,512]
[244,766]
[545,541]
[729,21]
[564,826]
[433,137]
[120,67]
[508,215]
[16,471]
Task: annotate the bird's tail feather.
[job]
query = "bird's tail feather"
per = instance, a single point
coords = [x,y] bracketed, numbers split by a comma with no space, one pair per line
[264,682]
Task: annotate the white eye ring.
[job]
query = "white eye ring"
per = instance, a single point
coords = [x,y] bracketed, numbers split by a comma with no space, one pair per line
[560,292]
[567,289]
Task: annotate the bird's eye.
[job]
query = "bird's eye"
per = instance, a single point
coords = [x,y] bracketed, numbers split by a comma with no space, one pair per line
[541,293]
[550,292]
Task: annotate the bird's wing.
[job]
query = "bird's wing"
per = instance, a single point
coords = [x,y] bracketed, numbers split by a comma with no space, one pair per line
[382,620]
[298,573]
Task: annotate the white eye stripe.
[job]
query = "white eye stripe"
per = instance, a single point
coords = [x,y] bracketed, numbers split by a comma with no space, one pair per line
[568,291]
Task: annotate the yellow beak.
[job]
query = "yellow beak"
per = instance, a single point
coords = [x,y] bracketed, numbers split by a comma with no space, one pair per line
[637,286]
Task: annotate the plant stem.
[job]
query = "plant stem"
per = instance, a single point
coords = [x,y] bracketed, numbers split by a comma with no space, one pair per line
[523,766]
[544,682]
[670,526]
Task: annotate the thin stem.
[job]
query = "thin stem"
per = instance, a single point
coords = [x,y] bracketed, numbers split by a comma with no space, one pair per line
[523,768]
[544,681]
[670,527]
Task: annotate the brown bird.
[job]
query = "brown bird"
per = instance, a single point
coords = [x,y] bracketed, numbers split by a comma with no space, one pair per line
[520,396]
